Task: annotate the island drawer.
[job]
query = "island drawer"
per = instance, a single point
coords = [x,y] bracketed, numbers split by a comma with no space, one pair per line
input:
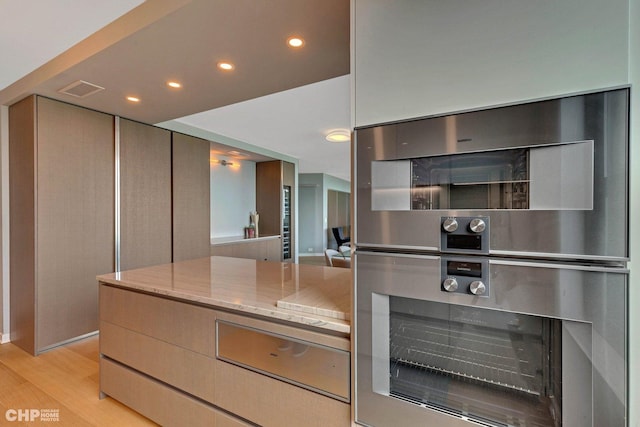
[313,366]
[185,325]
[164,405]
[177,366]
[269,402]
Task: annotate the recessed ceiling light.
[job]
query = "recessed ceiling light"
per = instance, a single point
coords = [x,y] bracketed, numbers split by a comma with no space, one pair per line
[133,99]
[339,135]
[174,84]
[295,42]
[227,66]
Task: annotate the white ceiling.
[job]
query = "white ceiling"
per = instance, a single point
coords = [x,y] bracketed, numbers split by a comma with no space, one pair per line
[27,28]
[278,99]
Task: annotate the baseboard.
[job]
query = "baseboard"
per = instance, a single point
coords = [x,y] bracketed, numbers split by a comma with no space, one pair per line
[5,338]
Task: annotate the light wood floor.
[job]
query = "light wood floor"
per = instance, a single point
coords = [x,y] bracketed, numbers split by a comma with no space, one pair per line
[65,378]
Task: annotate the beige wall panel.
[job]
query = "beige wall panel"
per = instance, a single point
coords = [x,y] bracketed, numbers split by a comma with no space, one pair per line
[75,221]
[164,405]
[263,250]
[22,223]
[223,250]
[274,249]
[171,364]
[191,194]
[269,402]
[188,326]
[145,195]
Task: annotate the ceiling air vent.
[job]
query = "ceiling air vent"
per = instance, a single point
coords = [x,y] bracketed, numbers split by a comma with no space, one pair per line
[81,89]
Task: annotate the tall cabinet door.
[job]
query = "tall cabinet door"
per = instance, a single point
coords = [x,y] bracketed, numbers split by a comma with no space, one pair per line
[62,219]
[269,197]
[75,217]
[191,198]
[22,295]
[271,179]
[145,195]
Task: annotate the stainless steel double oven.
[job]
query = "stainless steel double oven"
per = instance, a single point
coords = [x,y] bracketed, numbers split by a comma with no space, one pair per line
[490,266]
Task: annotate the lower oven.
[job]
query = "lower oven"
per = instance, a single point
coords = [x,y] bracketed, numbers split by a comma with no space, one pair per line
[539,344]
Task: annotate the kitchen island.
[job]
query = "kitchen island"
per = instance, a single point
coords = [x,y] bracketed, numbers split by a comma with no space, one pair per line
[228,342]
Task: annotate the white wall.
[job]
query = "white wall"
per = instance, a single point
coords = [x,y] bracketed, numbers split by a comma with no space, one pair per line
[313,225]
[419,58]
[233,196]
[310,213]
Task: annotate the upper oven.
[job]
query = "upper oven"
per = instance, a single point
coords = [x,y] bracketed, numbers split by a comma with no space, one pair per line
[551,175]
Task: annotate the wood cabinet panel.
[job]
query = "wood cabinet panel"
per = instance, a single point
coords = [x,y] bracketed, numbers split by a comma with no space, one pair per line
[145,195]
[191,197]
[166,406]
[22,148]
[270,178]
[75,220]
[269,196]
[62,217]
[186,325]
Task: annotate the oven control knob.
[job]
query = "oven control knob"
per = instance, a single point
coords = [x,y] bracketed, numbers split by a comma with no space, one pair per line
[477,225]
[477,287]
[450,284]
[450,225]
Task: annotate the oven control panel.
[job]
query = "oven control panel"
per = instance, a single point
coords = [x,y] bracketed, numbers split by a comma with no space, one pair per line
[465,276]
[464,234]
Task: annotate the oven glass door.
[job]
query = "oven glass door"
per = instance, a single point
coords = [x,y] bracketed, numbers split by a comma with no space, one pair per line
[554,177]
[496,367]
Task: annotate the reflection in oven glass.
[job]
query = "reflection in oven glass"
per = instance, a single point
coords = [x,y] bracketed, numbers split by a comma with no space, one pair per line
[497,368]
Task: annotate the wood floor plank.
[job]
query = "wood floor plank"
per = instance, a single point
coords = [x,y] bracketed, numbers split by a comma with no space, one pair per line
[65,378]
[88,347]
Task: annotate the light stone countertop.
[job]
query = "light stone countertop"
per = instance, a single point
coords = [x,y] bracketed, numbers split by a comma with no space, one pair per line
[311,295]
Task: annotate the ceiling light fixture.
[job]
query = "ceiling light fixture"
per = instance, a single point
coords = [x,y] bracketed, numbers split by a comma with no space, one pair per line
[338,135]
[295,42]
[133,99]
[175,85]
[226,66]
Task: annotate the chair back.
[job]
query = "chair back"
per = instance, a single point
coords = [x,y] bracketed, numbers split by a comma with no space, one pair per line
[337,234]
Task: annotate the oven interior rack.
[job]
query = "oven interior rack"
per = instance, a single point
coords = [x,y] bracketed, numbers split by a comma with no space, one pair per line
[498,357]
